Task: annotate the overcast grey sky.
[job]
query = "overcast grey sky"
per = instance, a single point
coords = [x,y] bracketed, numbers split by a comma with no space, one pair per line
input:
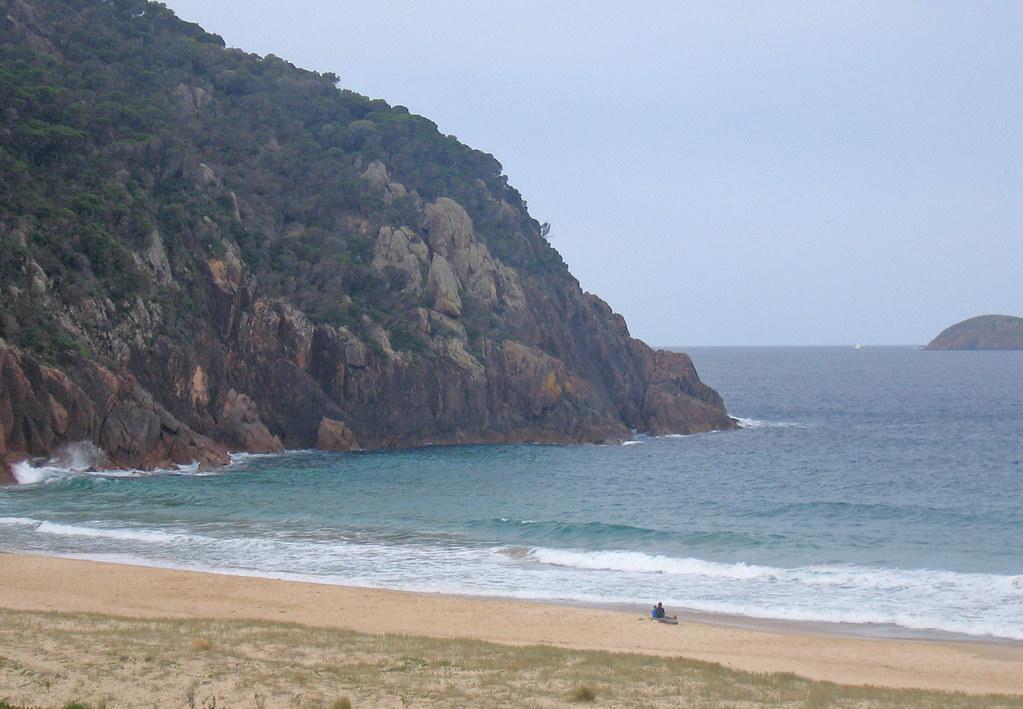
[719,172]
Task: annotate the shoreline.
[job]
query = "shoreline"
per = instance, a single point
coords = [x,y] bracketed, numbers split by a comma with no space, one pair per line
[787,626]
[56,584]
[781,626]
[857,625]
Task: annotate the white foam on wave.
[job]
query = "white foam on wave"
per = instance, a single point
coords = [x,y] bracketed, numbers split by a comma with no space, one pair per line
[634,561]
[631,443]
[920,599]
[242,457]
[83,459]
[760,423]
[841,576]
[866,617]
[19,521]
[977,604]
[119,533]
[79,530]
[356,571]
[72,459]
[60,529]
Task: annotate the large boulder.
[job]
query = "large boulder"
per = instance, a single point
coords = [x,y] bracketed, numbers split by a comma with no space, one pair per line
[448,226]
[335,436]
[239,419]
[443,287]
[402,250]
[677,401]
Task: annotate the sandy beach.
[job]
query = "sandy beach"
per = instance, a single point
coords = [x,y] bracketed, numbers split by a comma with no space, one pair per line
[43,584]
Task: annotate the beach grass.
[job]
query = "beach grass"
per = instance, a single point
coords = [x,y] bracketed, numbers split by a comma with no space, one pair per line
[62,659]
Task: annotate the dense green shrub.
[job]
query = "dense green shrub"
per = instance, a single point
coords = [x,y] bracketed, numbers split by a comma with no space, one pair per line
[118,118]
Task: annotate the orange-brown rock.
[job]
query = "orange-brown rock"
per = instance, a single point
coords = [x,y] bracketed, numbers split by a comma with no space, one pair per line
[6,474]
[43,408]
[677,401]
[239,419]
[335,436]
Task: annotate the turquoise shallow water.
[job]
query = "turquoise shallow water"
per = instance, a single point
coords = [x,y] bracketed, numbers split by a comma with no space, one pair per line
[882,486]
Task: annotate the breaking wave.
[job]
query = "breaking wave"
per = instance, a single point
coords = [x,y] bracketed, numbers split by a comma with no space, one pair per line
[83,459]
[816,575]
[978,604]
[760,423]
[920,599]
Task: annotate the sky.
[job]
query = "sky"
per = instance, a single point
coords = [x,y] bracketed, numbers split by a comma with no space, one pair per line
[721,173]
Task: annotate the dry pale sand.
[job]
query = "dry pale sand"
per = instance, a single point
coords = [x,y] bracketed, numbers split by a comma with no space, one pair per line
[31,583]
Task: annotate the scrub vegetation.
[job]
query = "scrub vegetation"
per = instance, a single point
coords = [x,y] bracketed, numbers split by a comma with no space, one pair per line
[95,661]
[118,118]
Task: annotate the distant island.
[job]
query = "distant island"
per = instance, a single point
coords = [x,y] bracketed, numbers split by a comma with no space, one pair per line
[985,332]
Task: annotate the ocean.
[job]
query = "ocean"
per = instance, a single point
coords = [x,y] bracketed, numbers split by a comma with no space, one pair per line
[881,489]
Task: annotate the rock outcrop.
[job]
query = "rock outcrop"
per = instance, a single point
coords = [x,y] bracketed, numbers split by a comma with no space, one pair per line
[335,436]
[985,332]
[676,400]
[43,409]
[257,261]
[240,422]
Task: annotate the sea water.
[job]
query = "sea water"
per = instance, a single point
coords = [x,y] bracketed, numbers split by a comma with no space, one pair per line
[881,487]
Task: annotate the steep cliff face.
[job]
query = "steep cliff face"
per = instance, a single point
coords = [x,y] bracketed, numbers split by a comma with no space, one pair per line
[43,409]
[204,250]
[985,332]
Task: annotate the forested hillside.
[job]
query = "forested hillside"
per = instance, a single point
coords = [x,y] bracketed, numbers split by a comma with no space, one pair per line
[241,255]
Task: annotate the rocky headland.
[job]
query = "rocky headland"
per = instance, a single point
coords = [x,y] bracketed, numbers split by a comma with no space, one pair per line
[204,250]
[985,332]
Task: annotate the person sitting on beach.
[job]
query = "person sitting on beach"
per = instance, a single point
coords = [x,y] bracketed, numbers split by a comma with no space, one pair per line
[658,613]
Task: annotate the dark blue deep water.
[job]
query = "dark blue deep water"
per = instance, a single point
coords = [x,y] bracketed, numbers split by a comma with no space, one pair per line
[879,486]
